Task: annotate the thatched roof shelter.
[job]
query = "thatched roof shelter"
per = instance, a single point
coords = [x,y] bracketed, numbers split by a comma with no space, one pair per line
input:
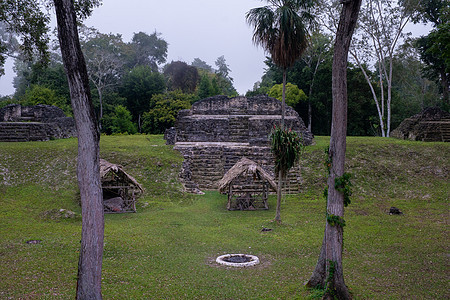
[247,184]
[107,169]
[119,188]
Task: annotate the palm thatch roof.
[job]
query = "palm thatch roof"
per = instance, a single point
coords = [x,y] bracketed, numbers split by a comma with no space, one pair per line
[245,166]
[107,168]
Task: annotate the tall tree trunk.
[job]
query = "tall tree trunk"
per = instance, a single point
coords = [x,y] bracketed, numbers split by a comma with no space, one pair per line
[331,253]
[88,168]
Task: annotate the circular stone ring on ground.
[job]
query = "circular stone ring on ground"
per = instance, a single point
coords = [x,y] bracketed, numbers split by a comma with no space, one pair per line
[237,260]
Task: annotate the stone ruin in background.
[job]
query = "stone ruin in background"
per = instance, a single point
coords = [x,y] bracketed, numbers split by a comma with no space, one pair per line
[34,123]
[217,132]
[431,125]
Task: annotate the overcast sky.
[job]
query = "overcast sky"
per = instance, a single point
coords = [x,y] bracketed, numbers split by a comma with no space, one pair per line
[205,29]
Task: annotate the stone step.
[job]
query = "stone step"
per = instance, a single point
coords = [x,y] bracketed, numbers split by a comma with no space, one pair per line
[25,119]
[13,139]
[12,127]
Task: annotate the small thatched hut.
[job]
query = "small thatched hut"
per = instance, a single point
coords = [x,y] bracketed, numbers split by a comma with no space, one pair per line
[247,186]
[119,189]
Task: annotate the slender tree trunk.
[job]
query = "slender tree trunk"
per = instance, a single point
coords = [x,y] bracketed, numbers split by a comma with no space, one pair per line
[309,105]
[389,101]
[100,99]
[88,168]
[444,83]
[309,116]
[382,100]
[283,102]
[331,253]
[279,194]
[280,173]
[374,94]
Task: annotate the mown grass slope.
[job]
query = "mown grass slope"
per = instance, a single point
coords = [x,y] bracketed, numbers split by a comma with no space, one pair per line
[167,249]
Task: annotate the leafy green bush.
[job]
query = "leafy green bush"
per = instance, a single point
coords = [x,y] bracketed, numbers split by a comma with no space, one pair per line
[38,94]
[294,95]
[165,111]
[119,122]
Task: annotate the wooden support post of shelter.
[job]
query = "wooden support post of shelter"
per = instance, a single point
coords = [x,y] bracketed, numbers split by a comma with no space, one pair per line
[247,185]
[120,189]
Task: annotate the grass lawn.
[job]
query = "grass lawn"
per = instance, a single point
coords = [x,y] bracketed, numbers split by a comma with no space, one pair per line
[167,249]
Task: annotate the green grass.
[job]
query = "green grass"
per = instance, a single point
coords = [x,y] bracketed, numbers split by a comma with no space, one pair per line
[167,249]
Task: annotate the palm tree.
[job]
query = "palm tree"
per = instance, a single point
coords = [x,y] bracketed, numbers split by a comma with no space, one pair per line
[281,30]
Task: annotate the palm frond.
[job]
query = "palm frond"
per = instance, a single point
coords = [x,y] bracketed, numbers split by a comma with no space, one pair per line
[280,29]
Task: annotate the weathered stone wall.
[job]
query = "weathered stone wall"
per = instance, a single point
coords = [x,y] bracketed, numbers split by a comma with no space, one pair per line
[220,119]
[34,123]
[216,132]
[431,125]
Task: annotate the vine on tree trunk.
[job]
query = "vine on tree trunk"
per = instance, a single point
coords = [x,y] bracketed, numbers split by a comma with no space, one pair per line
[329,281]
[343,185]
[334,220]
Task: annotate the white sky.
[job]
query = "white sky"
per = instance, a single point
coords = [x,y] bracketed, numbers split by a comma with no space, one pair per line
[205,29]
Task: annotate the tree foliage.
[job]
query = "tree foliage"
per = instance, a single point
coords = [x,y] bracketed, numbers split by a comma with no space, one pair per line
[38,94]
[201,64]
[286,146]
[119,121]
[165,111]
[362,109]
[294,95]
[281,29]
[51,76]
[149,50]
[181,76]
[138,87]
[434,49]
[103,54]
[382,24]
[26,19]
[207,86]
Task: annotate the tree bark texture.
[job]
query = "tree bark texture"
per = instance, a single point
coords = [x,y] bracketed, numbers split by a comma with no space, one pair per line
[88,168]
[279,194]
[331,252]
[283,97]
[444,84]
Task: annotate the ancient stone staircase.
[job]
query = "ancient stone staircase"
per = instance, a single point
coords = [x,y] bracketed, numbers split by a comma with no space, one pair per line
[207,166]
[22,132]
[445,130]
[238,129]
[436,130]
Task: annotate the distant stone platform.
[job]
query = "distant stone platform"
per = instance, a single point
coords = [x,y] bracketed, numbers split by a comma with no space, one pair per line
[431,125]
[34,123]
[217,132]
